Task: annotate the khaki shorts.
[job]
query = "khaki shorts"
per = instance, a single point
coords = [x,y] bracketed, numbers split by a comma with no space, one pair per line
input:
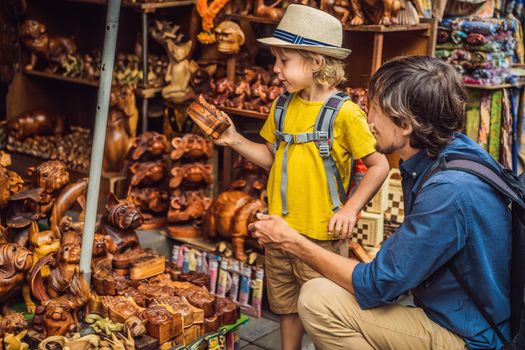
[285,274]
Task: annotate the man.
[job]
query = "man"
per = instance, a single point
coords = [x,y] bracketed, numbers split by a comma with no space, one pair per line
[417,110]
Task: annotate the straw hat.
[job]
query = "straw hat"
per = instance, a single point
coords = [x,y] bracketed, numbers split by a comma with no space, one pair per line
[310,29]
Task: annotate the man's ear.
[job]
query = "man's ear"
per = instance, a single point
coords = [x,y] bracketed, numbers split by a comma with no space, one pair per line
[408,129]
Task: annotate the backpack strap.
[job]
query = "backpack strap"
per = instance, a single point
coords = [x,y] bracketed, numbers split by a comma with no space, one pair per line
[279,114]
[324,127]
[505,183]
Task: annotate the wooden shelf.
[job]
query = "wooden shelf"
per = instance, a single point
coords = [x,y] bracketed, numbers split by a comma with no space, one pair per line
[243,113]
[144,92]
[494,87]
[147,7]
[363,28]
[87,82]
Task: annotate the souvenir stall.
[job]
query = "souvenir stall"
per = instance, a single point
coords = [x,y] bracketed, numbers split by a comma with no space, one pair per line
[107,137]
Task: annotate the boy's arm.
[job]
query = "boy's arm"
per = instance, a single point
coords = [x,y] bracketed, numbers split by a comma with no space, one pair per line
[259,153]
[342,223]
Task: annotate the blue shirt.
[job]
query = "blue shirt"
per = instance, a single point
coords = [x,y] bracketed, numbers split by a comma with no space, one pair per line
[457,215]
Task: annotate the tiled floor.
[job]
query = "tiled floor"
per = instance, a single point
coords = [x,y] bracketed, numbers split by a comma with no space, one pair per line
[264,333]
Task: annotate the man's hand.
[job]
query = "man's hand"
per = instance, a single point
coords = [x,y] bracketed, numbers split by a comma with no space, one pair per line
[271,230]
[342,223]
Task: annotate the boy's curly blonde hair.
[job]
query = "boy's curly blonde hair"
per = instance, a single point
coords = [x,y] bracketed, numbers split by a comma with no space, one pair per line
[331,72]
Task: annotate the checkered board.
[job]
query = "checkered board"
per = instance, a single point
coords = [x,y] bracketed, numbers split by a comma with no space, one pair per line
[396,208]
[369,230]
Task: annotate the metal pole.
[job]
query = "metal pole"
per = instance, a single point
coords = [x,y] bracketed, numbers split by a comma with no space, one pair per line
[97,151]
[144,69]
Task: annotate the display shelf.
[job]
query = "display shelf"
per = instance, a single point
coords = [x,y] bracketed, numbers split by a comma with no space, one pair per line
[362,28]
[144,92]
[146,6]
[243,113]
[495,87]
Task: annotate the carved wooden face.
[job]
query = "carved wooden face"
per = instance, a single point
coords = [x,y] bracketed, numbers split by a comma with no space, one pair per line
[14,259]
[230,37]
[103,244]
[58,309]
[33,29]
[51,175]
[70,253]
[191,146]
[157,315]
[13,323]
[122,214]
[149,143]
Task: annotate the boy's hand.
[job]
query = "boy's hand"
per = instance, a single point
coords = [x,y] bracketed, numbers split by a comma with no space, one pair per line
[228,136]
[342,223]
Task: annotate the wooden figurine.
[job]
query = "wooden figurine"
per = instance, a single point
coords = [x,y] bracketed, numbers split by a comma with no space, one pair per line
[149,145]
[193,175]
[200,298]
[211,120]
[229,216]
[382,12]
[179,306]
[148,173]
[250,179]
[15,262]
[120,308]
[53,48]
[200,79]
[150,199]
[14,341]
[180,67]
[120,221]
[192,147]
[122,115]
[59,317]
[269,11]
[337,8]
[162,324]
[103,248]
[36,122]
[222,89]
[69,195]
[230,37]
[10,184]
[186,206]
[241,93]
[12,323]
[103,281]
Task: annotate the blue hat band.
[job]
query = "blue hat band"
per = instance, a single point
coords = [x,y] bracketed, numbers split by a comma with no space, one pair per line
[298,40]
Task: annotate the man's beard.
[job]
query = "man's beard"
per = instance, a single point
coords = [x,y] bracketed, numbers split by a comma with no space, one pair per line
[385,150]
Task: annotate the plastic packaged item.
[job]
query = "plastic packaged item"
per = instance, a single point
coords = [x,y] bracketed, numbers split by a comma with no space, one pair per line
[234,269]
[244,293]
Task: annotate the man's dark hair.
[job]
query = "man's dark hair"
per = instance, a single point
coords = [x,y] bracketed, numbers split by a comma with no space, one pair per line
[425,92]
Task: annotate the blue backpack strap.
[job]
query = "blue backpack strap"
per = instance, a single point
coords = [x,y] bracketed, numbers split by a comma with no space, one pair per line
[279,115]
[324,128]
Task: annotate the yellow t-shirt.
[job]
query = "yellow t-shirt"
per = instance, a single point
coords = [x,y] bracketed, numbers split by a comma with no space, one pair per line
[309,202]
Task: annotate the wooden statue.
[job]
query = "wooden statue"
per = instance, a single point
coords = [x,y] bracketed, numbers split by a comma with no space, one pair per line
[250,179]
[12,323]
[10,184]
[222,90]
[122,125]
[211,120]
[229,216]
[200,79]
[36,122]
[120,221]
[192,147]
[381,12]
[70,194]
[269,11]
[230,37]
[337,8]
[186,206]
[148,173]
[193,175]
[150,199]
[180,67]
[149,145]
[58,316]
[53,48]
[15,262]
[103,248]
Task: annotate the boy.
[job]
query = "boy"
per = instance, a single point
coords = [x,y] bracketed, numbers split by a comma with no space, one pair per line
[307,48]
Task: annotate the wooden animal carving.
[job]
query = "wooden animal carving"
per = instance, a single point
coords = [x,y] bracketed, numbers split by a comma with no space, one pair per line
[189,205]
[250,179]
[230,37]
[71,194]
[222,90]
[120,221]
[229,216]
[150,199]
[269,11]
[148,173]
[192,147]
[52,48]
[15,262]
[119,132]
[381,12]
[103,248]
[338,8]
[180,68]
[149,145]
[12,323]
[14,341]
[193,174]
[34,123]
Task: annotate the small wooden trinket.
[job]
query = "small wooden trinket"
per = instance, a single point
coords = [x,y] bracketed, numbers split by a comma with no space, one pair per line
[179,306]
[145,267]
[103,281]
[211,120]
[211,324]
[198,278]
[120,308]
[161,323]
[123,261]
[227,311]
[200,298]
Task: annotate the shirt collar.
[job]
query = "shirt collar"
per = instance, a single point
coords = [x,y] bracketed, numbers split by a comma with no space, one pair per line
[415,165]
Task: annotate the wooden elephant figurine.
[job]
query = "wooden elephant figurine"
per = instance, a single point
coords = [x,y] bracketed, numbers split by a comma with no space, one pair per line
[149,145]
[193,174]
[229,216]
[34,123]
[191,146]
[148,173]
